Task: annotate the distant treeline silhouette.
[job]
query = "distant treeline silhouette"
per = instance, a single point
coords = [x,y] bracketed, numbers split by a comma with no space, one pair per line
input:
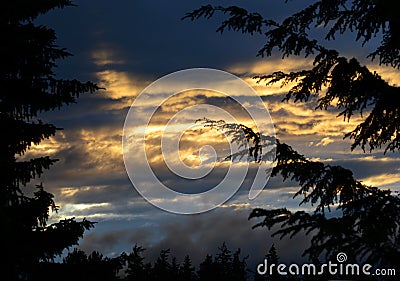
[225,265]
[77,265]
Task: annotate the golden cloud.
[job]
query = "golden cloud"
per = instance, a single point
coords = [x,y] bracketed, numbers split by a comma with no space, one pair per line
[121,87]
[104,57]
[325,141]
[383,180]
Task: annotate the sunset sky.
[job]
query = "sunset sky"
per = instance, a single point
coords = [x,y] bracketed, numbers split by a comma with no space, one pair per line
[125,46]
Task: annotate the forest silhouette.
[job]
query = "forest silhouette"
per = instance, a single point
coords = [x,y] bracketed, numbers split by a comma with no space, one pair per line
[367,228]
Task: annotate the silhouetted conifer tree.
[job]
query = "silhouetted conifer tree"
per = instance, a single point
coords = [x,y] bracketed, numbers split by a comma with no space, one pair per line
[223,263]
[162,267]
[207,269]
[225,266]
[136,266]
[367,223]
[77,265]
[28,87]
[187,271]
[239,267]
[174,275]
[272,255]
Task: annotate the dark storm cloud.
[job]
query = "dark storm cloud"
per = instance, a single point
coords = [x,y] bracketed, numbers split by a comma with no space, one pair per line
[89,112]
[117,194]
[369,167]
[106,241]
[115,236]
[81,167]
[149,37]
[198,235]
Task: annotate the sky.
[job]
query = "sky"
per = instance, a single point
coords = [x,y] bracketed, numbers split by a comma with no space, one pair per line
[125,46]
